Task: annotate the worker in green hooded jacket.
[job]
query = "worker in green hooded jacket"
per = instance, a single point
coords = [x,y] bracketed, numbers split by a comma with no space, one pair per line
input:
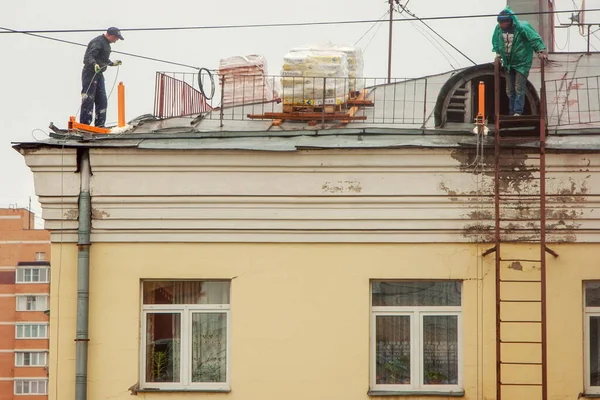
[515,42]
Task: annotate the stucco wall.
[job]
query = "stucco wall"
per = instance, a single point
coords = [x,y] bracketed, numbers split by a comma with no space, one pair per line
[300,313]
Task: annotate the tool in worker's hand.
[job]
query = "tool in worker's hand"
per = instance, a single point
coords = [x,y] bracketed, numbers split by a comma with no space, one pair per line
[97,68]
[116,63]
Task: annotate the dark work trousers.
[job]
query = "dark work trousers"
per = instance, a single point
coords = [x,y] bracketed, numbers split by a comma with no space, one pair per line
[93,93]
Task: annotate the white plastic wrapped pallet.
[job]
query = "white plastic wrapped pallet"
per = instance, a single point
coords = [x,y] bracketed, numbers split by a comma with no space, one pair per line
[244,80]
[353,54]
[315,78]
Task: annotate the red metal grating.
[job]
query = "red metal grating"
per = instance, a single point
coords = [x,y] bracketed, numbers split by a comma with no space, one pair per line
[176,98]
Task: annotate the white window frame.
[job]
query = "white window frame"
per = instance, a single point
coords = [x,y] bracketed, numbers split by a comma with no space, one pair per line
[41,302]
[40,258]
[416,315]
[21,271]
[588,313]
[29,381]
[186,312]
[41,358]
[45,325]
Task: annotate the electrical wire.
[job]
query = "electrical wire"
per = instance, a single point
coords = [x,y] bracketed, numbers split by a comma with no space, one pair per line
[286,24]
[439,46]
[435,43]
[373,37]
[437,34]
[566,43]
[8,30]
[372,26]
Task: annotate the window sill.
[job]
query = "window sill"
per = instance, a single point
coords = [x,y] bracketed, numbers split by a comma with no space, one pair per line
[384,393]
[150,390]
[590,396]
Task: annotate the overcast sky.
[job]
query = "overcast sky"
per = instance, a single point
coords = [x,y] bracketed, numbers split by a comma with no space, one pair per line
[40,80]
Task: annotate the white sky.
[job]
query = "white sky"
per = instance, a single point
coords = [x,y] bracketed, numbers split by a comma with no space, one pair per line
[40,80]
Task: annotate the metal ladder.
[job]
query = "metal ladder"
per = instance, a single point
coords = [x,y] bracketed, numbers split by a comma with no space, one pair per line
[521,331]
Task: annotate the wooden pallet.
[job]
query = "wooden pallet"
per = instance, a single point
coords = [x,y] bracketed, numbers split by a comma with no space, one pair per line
[306,116]
[328,109]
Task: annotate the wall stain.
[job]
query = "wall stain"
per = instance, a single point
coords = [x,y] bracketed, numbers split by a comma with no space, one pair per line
[342,187]
[517,266]
[71,215]
[519,185]
[99,214]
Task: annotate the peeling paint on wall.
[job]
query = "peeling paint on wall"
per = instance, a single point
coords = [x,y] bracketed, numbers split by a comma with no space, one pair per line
[520,211]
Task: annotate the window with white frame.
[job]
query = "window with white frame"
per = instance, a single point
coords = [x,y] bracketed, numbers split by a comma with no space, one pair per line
[592,337]
[32,303]
[416,336]
[185,335]
[31,358]
[33,275]
[31,331]
[40,256]
[31,386]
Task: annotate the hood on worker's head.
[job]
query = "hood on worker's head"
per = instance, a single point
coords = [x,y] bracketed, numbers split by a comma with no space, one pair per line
[507,15]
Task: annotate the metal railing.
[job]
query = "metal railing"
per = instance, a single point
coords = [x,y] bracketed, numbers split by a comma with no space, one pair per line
[256,96]
[176,97]
[573,101]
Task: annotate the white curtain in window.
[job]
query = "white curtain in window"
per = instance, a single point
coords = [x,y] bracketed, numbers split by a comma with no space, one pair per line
[209,347]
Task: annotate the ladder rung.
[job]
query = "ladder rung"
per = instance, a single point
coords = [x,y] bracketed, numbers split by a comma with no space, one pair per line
[520,363]
[520,301]
[520,384]
[519,140]
[517,342]
[521,322]
[519,259]
[518,281]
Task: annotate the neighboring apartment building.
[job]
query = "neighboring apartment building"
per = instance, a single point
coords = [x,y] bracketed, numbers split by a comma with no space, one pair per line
[24,304]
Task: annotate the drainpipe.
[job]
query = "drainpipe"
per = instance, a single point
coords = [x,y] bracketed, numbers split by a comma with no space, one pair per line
[83,279]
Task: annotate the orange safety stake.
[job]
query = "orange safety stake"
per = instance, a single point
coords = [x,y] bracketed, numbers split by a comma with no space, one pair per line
[482,99]
[480,120]
[121,92]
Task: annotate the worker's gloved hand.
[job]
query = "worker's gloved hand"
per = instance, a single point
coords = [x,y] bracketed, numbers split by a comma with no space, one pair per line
[116,63]
[542,55]
[97,68]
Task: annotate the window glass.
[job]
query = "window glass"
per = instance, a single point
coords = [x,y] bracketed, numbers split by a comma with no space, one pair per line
[163,335]
[186,292]
[416,294]
[393,350]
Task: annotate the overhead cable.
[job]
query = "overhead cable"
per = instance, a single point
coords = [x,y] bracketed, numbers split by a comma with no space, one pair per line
[286,24]
[85,45]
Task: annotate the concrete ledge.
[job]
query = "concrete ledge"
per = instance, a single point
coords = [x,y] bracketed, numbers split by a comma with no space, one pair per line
[381,393]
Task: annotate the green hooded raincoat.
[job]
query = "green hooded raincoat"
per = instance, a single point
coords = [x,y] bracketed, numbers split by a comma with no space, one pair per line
[526,41]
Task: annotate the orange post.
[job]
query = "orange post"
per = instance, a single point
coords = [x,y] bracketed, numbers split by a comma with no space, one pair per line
[482,100]
[121,105]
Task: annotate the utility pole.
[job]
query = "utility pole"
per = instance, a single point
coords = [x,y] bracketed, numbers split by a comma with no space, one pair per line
[391,40]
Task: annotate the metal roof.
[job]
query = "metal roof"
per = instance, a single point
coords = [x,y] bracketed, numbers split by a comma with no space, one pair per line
[308,140]
[573,88]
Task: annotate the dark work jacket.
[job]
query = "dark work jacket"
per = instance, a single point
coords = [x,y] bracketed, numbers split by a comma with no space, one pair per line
[97,52]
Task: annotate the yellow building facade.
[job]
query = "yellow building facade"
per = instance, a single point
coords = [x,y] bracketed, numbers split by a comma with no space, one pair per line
[300,314]
[339,273]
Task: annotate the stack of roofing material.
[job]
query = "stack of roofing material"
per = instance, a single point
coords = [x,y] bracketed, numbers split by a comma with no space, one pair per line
[354,56]
[315,79]
[244,80]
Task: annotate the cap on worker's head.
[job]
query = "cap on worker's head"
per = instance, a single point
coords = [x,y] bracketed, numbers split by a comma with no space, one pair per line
[504,16]
[115,32]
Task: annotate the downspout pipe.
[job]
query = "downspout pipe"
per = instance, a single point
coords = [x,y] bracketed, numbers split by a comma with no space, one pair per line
[83,279]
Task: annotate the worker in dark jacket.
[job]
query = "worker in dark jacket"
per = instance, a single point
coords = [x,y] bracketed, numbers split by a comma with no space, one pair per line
[93,92]
[515,42]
